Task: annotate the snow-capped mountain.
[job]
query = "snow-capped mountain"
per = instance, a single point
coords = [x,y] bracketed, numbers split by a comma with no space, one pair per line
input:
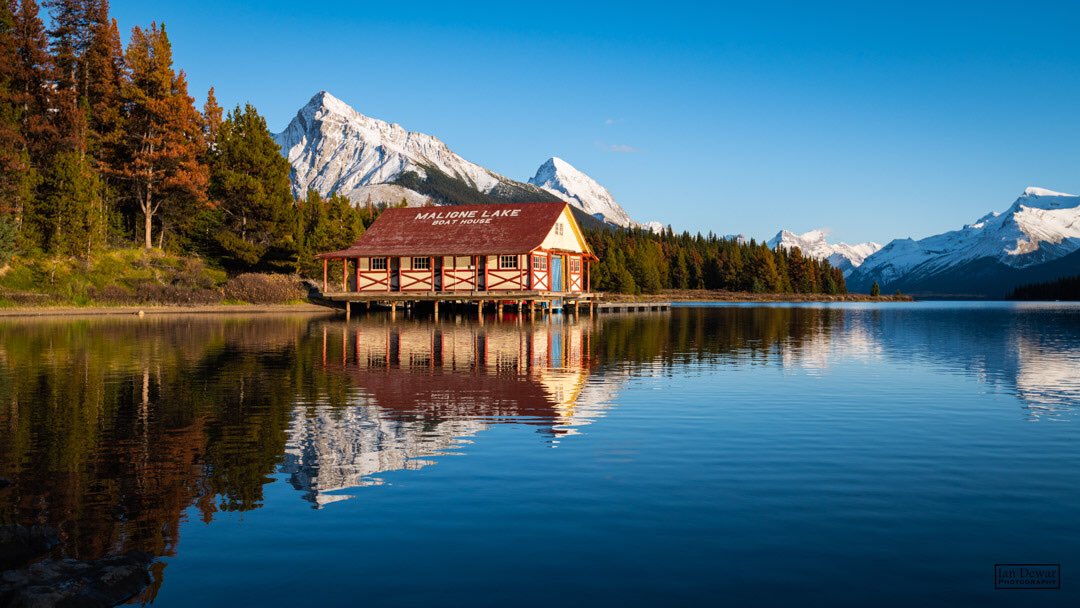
[813,244]
[334,148]
[575,187]
[1035,239]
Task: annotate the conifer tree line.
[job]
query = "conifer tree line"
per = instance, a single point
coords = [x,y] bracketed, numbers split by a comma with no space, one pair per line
[102,146]
[640,261]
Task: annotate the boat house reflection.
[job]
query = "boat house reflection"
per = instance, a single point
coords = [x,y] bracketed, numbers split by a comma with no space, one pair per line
[424,387]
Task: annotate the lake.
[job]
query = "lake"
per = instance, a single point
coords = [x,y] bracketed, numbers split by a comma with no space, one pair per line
[834,455]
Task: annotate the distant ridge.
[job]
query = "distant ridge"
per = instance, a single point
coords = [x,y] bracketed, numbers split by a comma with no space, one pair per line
[813,244]
[1036,239]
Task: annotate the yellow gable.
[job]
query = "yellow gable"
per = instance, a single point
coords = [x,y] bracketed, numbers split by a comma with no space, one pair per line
[566,235]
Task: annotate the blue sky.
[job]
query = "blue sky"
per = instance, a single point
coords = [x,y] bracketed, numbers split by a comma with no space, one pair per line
[873,120]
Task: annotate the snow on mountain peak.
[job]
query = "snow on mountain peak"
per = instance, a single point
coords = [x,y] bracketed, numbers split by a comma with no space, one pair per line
[1040,227]
[334,148]
[569,183]
[327,100]
[813,244]
[1035,191]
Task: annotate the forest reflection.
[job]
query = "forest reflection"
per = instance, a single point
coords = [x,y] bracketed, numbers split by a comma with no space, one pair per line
[112,429]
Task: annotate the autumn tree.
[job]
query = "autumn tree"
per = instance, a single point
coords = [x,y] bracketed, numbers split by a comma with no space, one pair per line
[163,136]
[29,86]
[250,188]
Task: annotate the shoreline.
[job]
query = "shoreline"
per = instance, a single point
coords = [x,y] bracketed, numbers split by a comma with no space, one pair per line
[692,296]
[104,310]
[705,296]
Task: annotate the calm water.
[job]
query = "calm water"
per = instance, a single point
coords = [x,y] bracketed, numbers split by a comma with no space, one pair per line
[748,455]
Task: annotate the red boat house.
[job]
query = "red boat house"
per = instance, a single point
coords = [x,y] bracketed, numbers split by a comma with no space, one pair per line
[524,252]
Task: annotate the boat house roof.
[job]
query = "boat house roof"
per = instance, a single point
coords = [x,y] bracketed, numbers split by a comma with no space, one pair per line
[457,230]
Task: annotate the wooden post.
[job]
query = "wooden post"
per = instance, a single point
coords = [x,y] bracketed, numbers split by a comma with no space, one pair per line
[480,311]
[357,286]
[499,309]
[436,310]
[344,274]
[549,285]
[393,310]
[348,310]
[325,275]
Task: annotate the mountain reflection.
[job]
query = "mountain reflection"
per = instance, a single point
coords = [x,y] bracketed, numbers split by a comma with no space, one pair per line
[111,430]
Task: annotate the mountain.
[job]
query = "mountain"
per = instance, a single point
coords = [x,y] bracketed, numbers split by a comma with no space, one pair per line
[1036,239]
[334,148]
[813,244]
[568,183]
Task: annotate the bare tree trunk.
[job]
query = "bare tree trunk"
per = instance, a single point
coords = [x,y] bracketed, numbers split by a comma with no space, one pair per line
[148,227]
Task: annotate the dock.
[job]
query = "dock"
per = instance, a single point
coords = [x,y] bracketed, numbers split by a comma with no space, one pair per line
[632,306]
[523,300]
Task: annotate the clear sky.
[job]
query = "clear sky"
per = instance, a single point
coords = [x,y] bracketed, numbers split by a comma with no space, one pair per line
[873,120]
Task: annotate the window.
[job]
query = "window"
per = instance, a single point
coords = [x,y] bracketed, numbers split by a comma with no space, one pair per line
[378,263]
[421,263]
[539,262]
[508,261]
[575,265]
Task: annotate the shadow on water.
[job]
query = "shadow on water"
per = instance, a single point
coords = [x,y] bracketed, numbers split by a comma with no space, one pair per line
[110,430]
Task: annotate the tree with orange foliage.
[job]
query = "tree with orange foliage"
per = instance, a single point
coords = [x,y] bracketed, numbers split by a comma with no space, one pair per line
[163,135]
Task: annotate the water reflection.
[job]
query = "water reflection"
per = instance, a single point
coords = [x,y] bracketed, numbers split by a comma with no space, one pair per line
[111,430]
[422,388]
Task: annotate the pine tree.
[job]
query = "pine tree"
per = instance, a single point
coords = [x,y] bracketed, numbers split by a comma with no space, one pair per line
[16,175]
[250,186]
[102,89]
[211,118]
[69,39]
[680,272]
[163,136]
[324,225]
[31,82]
[875,290]
[71,217]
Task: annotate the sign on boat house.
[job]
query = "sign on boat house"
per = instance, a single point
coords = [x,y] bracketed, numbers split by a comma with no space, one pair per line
[519,250]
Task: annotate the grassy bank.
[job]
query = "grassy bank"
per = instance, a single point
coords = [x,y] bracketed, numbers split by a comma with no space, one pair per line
[707,295]
[137,277]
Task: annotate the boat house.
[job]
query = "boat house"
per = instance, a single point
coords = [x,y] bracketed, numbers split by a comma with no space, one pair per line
[526,252]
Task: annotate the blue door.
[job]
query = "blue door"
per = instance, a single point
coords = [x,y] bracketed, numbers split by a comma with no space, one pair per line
[556,273]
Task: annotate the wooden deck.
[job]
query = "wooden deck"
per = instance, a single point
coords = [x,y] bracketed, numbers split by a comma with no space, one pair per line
[632,306]
[456,296]
[540,300]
